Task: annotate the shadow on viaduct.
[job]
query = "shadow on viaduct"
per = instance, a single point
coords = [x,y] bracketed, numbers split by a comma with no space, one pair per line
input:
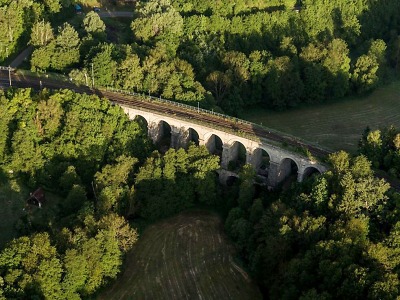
[272,163]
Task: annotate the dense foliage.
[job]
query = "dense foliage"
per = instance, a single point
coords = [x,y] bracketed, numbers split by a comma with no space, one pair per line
[226,54]
[176,181]
[17,18]
[74,145]
[382,147]
[99,164]
[44,134]
[334,237]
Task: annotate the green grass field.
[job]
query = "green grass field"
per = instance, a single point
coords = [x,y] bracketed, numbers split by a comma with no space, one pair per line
[337,125]
[184,257]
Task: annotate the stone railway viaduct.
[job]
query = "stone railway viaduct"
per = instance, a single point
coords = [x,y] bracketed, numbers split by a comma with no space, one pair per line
[273,163]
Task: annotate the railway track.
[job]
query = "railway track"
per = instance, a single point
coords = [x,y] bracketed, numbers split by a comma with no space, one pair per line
[163,108]
[179,112]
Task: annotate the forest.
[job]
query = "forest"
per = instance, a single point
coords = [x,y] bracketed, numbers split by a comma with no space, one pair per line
[334,236]
[106,171]
[226,55]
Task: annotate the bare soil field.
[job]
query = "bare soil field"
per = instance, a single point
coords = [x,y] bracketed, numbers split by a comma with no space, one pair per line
[184,257]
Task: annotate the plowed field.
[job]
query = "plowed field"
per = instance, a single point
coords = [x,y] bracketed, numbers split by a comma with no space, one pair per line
[184,257]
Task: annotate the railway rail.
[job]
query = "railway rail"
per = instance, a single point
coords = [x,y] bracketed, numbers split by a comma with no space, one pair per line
[179,111]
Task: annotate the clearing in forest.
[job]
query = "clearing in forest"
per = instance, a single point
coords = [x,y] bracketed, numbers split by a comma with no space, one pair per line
[184,257]
[337,125]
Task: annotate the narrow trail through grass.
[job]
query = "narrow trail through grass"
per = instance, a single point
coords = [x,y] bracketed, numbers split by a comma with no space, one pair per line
[337,125]
[184,257]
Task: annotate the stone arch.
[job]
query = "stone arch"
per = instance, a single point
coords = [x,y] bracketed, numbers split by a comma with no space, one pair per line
[310,171]
[142,122]
[160,132]
[288,170]
[237,155]
[231,180]
[193,136]
[261,161]
[214,144]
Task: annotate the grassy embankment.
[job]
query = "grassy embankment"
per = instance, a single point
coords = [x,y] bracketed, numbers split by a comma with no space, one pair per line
[337,125]
[184,257]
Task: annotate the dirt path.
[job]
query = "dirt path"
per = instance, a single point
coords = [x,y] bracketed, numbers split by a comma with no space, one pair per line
[20,58]
[116,14]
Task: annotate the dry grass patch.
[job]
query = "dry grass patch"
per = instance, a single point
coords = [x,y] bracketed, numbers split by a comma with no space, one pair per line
[184,257]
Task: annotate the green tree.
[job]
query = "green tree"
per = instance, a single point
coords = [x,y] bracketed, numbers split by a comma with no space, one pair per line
[112,182]
[246,188]
[53,6]
[314,76]
[66,52]
[337,63]
[158,20]
[378,50]
[104,65]
[41,58]
[42,33]
[74,200]
[93,24]
[76,273]
[120,228]
[14,22]
[130,73]
[285,87]
[48,117]
[219,84]
[365,76]
[30,265]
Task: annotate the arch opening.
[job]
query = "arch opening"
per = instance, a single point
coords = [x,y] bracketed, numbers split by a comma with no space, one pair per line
[231,180]
[214,145]
[310,172]
[237,156]
[288,171]
[193,136]
[261,162]
[164,136]
[142,122]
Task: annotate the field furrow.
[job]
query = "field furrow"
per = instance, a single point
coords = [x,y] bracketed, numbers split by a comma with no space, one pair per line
[184,257]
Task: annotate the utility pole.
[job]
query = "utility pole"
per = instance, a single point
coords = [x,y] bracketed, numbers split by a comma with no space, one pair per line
[9,74]
[92,77]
